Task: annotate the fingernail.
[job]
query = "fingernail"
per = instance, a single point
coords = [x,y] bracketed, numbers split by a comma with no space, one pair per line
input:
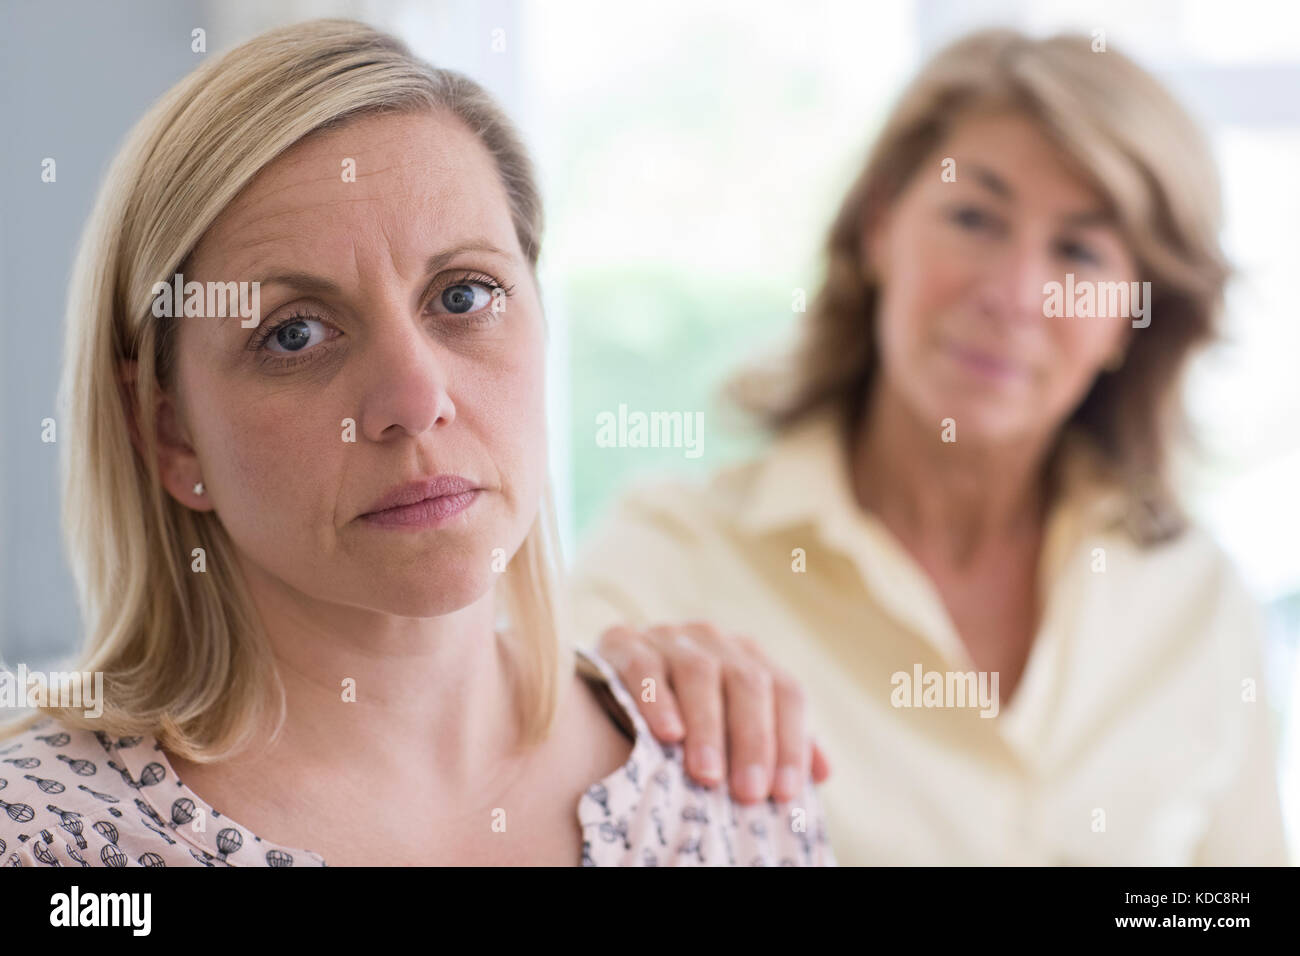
[787,782]
[754,781]
[709,761]
[672,726]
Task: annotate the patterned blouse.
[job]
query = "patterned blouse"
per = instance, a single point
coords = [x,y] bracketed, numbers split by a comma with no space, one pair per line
[76,797]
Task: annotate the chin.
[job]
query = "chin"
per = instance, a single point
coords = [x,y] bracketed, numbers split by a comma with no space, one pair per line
[982,418]
[428,591]
[990,426]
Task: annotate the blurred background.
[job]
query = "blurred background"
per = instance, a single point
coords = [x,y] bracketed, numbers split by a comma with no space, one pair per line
[691,156]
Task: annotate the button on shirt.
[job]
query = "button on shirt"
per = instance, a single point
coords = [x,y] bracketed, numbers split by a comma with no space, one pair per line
[1138,733]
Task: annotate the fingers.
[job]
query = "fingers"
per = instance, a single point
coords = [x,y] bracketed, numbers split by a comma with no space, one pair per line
[778,733]
[793,746]
[821,768]
[696,675]
[751,731]
[733,707]
[635,660]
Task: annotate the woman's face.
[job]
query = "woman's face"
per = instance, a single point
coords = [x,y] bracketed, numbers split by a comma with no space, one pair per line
[961,327]
[377,308]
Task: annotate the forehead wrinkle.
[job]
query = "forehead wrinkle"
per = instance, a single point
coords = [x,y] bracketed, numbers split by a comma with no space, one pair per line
[432,198]
[263,188]
[262,236]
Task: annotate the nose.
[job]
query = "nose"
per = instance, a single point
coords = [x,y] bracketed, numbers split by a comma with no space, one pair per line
[1012,293]
[407,380]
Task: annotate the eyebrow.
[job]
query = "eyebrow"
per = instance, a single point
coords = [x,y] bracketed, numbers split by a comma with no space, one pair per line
[307,282]
[999,186]
[993,182]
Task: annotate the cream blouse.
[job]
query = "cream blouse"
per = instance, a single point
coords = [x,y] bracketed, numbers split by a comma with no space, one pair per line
[1138,734]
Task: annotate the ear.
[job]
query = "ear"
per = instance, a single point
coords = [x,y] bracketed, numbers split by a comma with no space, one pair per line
[176,461]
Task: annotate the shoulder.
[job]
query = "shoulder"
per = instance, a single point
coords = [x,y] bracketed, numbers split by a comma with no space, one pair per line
[650,813]
[804,459]
[655,548]
[68,799]
[1194,566]
[1217,600]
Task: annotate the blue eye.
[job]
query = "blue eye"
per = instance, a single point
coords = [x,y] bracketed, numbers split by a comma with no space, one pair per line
[1079,252]
[465,297]
[969,217]
[293,335]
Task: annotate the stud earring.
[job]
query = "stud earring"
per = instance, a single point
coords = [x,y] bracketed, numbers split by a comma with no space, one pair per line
[198,488]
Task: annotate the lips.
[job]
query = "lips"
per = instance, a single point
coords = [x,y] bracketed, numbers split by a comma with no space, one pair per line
[422,491]
[984,363]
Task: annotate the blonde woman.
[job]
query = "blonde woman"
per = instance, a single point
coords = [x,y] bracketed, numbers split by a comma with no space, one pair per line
[312,542]
[962,542]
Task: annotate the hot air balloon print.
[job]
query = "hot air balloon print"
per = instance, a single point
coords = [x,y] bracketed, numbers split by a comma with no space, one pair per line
[229,841]
[82,768]
[182,811]
[126,775]
[106,830]
[161,833]
[106,797]
[149,811]
[598,793]
[46,786]
[70,820]
[692,846]
[610,832]
[110,855]
[18,812]
[43,854]
[695,814]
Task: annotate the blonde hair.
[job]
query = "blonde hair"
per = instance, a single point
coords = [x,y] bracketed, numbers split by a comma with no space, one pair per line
[184,655]
[1143,153]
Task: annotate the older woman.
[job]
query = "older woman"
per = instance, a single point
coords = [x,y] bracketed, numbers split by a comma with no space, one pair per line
[312,543]
[963,542]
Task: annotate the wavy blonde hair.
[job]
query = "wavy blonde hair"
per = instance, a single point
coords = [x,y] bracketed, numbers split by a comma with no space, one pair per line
[1146,157]
[184,655]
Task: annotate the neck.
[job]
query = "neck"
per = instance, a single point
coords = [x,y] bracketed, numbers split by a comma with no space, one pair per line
[433,696]
[950,497]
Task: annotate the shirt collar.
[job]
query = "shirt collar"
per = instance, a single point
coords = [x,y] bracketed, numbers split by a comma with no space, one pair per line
[804,477]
